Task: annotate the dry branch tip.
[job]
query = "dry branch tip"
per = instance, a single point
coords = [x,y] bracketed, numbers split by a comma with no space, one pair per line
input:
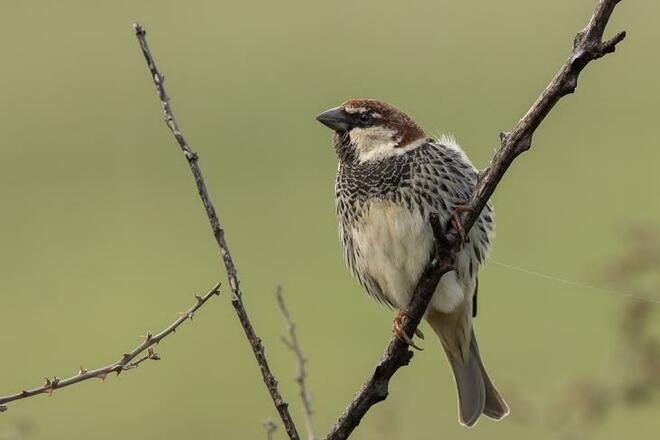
[139,29]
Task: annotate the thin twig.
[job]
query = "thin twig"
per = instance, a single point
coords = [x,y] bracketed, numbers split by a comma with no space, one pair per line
[126,362]
[588,46]
[294,346]
[270,428]
[218,233]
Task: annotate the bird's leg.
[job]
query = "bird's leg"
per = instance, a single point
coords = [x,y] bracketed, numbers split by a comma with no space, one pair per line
[458,224]
[397,330]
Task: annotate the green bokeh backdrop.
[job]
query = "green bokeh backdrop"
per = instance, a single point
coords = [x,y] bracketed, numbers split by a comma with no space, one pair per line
[103,238]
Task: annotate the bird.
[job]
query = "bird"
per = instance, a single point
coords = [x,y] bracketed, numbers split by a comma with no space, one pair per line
[390,178]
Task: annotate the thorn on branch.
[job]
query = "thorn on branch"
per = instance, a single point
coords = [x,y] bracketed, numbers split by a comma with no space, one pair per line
[50,385]
[185,315]
[609,46]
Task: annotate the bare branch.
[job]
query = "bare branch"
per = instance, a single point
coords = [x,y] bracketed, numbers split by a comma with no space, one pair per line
[126,362]
[218,233]
[294,346]
[588,46]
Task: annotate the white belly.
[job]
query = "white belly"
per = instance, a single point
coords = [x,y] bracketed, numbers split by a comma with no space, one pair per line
[393,246]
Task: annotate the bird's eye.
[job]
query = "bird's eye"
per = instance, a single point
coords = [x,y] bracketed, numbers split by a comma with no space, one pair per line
[365,117]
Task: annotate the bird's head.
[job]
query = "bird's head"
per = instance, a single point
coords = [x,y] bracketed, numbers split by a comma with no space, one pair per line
[367,129]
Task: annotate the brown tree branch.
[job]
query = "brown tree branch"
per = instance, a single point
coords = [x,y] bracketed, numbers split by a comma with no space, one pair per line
[218,233]
[127,361]
[294,346]
[588,46]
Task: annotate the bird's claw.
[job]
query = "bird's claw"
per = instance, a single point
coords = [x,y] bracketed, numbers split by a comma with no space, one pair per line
[401,314]
[398,331]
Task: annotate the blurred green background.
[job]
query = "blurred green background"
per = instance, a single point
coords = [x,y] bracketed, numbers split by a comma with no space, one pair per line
[103,236]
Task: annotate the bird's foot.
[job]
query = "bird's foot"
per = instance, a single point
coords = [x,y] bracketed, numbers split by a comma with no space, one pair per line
[398,331]
[458,224]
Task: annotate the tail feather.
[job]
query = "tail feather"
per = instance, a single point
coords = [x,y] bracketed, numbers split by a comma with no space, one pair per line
[471,389]
[476,393]
[495,406]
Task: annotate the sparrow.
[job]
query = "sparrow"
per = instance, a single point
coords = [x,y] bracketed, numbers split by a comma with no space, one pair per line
[390,177]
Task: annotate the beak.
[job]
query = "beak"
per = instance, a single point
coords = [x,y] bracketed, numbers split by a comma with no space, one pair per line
[335,118]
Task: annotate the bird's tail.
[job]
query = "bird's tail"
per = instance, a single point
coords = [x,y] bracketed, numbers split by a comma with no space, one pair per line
[476,393]
[495,406]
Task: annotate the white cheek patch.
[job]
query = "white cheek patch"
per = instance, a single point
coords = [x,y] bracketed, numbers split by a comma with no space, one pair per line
[373,143]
